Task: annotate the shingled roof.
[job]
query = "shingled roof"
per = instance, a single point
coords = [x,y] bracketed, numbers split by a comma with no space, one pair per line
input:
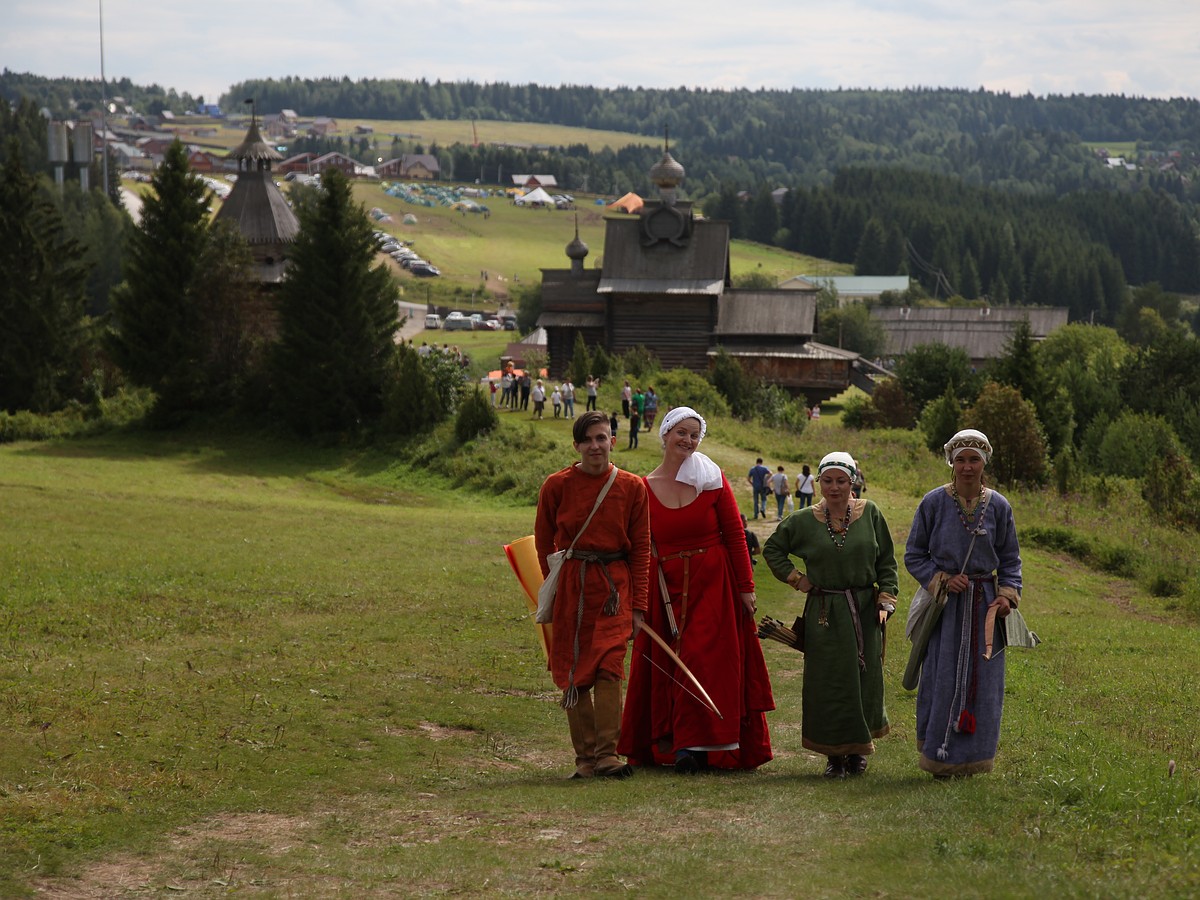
[698,267]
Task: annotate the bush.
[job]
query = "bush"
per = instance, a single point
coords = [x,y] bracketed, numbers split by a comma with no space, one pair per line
[681,387]
[1171,491]
[639,363]
[476,417]
[939,421]
[776,408]
[78,420]
[1011,424]
[892,406]
[601,363]
[1132,441]
[1111,558]
[859,412]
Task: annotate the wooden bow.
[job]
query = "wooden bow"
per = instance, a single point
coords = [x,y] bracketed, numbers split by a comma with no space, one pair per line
[708,701]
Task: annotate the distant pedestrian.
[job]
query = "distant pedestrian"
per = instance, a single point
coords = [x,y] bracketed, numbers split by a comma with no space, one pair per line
[757,479]
[805,487]
[779,487]
[593,386]
[626,397]
[650,409]
[556,402]
[538,393]
[568,398]
[525,385]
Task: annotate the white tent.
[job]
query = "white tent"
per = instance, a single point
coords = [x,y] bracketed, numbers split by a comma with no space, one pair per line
[535,197]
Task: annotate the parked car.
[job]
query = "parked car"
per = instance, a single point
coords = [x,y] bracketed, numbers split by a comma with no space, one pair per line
[425,270]
[462,323]
[509,322]
[476,321]
[433,321]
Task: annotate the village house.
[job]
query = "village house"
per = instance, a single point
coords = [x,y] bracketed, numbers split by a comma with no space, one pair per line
[982,333]
[529,182]
[336,161]
[301,162]
[322,126]
[411,167]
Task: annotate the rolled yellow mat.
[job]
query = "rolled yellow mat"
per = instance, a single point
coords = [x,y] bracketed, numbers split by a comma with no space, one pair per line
[522,556]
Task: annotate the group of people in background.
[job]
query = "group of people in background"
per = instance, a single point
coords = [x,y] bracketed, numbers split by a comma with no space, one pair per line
[765,484]
[639,408]
[664,560]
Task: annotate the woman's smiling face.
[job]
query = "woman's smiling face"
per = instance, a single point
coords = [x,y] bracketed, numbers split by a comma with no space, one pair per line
[683,437]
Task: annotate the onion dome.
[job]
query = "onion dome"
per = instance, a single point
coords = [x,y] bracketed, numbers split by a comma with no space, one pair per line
[667,173]
[577,249]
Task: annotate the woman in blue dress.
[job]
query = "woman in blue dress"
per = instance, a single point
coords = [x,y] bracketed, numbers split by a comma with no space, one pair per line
[963,540]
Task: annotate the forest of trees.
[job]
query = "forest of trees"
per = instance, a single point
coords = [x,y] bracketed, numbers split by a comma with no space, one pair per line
[973,193]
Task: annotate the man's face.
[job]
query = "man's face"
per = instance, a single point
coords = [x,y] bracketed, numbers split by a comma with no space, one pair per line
[595,448]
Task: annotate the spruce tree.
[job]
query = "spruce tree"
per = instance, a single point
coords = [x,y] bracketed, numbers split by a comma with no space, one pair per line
[41,294]
[157,336]
[337,318]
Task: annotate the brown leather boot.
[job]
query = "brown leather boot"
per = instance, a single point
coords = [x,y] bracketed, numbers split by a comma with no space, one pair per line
[608,730]
[582,719]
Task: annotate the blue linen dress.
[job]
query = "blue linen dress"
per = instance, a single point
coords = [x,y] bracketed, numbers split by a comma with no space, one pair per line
[960,698]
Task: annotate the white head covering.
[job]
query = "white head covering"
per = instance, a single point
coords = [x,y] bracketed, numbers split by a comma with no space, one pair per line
[697,470]
[675,416]
[837,460]
[968,439]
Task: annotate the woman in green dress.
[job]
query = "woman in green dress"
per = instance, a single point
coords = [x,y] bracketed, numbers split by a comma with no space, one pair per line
[848,570]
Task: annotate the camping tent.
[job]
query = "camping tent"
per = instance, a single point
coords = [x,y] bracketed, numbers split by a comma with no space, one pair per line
[536,197]
[630,203]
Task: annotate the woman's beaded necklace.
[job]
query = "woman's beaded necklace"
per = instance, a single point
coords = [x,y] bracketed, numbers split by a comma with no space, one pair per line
[968,520]
[833,535]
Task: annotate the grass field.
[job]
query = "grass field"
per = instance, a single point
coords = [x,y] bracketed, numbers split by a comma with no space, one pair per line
[234,666]
[444,132]
[514,244]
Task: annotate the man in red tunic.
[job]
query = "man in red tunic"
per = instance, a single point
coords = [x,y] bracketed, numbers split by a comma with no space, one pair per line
[594,620]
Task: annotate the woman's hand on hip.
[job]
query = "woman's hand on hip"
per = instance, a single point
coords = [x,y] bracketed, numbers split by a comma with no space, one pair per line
[799,581]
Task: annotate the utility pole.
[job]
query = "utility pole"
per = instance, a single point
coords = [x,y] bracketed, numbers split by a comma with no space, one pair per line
[103,102]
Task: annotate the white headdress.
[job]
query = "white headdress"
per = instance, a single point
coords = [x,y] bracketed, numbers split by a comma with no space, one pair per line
[837,460]
[697,470]
[968,439]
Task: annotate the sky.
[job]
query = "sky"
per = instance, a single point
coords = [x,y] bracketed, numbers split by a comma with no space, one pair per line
[202,48]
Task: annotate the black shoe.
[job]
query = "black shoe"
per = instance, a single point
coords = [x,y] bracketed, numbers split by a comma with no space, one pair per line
[856,764]
[836,767]
[690,762]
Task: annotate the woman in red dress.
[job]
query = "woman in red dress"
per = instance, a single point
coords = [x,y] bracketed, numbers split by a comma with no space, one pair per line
[707,618]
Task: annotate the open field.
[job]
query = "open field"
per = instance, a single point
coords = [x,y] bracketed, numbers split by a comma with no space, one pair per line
[443,132]
[231,665]
[514,243]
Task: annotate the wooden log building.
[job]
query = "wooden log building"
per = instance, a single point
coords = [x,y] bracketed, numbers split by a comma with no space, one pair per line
[665,285]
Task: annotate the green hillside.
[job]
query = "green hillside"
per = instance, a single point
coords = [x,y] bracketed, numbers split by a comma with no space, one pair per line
[513,243]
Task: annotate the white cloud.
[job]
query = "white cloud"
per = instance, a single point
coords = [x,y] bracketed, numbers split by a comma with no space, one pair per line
[1055,46]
